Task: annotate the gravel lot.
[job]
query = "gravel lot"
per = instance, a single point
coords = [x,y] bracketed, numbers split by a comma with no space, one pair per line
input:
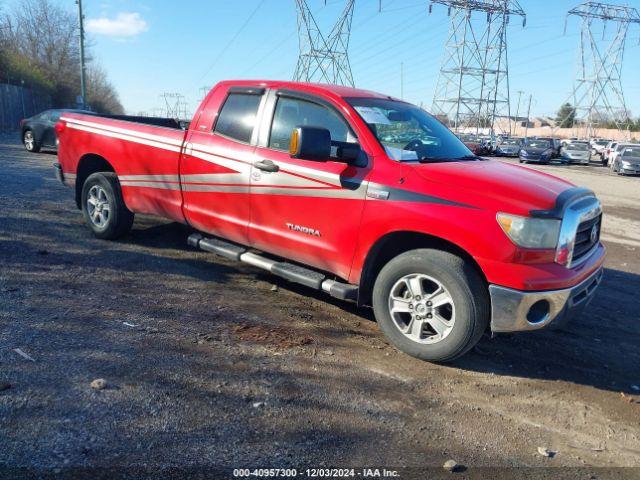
[211,364]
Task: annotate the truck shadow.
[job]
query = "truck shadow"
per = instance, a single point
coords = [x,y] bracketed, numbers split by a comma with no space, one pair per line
[598,349]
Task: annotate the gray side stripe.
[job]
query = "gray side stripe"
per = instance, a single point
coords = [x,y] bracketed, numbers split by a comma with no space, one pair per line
[400,195]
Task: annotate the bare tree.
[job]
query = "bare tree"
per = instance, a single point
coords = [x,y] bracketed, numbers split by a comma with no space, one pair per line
[45,36]
[101,94]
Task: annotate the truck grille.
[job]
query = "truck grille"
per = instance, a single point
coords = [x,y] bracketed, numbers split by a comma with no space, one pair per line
[584,240]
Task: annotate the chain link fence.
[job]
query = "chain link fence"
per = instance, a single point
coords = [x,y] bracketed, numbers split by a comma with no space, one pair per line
[17,102]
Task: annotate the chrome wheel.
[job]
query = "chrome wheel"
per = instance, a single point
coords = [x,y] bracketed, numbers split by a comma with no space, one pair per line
[98,206]
[422,308]
[29,141]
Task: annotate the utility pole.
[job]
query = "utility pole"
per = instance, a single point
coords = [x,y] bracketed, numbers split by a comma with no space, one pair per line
[83,67]
[526,130]
[204,92]
[520,92]
[402,80]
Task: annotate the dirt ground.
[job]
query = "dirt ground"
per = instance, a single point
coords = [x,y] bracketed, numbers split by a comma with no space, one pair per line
[213,365]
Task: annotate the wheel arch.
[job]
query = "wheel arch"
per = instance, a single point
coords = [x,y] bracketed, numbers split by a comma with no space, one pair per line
[34,132]
[395,243]
[89,164]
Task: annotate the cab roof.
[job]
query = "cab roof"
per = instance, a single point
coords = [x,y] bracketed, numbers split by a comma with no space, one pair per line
[338,90]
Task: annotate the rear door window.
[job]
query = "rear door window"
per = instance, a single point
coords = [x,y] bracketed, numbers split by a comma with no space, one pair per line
[237,119]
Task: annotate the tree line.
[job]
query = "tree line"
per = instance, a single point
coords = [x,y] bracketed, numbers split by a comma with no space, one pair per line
[567,118]
[39,48]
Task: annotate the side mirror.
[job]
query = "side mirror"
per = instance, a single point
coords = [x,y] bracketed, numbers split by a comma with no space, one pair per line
[310,143]
[348,152]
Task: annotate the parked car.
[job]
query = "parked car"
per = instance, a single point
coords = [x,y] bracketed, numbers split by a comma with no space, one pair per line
[576,152]
[566,141]
[489,143]
[536,150]
[38,131]
[598,146]
[628,161]
[509,147]
[616,152]
[474,144]
[300,180]
[608,150]
[556,145]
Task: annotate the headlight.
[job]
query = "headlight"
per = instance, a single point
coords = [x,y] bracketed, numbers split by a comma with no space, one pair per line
[523,153]
[528,232]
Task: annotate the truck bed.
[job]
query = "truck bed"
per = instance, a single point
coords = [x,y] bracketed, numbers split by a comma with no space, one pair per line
[143,151]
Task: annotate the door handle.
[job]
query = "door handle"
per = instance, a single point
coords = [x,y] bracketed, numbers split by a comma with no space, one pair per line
[266,166]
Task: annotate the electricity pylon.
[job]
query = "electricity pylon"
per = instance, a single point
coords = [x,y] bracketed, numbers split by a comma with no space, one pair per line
[597,93]
[174,104]
[324,58]
[473,87]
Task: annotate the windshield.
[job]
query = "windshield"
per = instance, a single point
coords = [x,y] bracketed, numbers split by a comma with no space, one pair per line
[631,152]
[408,133]
[605,142]
[511,142]
[538,144]
[583,147]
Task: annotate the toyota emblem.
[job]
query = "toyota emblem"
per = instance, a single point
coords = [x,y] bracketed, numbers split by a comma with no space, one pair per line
[594,234]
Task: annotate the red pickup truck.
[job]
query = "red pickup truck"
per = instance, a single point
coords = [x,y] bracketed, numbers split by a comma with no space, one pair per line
[358,194]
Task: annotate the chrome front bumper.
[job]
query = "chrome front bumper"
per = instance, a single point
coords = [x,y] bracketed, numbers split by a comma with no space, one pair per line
[518,311]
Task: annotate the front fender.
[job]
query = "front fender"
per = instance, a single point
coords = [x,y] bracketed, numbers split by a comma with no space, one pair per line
[471,229]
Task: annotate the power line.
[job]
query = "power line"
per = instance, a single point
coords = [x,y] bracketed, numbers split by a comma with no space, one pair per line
[232,40]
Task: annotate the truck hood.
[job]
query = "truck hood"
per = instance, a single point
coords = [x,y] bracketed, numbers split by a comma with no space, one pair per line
[507,185]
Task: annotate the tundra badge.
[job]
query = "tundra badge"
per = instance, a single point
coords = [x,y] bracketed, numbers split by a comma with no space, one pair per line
[307,230]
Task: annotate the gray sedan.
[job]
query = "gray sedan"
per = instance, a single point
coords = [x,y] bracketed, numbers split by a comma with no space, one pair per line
[628,161]
[576,152]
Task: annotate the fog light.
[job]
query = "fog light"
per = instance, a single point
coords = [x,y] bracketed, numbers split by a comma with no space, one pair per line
[539,312]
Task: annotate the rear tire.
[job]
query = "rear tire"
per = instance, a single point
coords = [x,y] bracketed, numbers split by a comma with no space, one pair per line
[103,208]
[422,325]
[29,141]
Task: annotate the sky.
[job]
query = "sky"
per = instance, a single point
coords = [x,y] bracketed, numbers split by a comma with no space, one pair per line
[149,47]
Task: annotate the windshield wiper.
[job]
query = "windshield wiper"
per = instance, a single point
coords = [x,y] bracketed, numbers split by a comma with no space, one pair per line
[466,158]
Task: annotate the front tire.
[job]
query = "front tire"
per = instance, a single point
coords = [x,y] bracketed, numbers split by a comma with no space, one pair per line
[431,304]
[29,141]
[103,208]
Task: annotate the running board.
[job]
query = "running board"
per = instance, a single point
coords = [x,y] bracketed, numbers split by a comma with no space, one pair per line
[288,271]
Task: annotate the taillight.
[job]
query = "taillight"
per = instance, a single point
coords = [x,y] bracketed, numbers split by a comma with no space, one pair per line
[22,122]
[60,127]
